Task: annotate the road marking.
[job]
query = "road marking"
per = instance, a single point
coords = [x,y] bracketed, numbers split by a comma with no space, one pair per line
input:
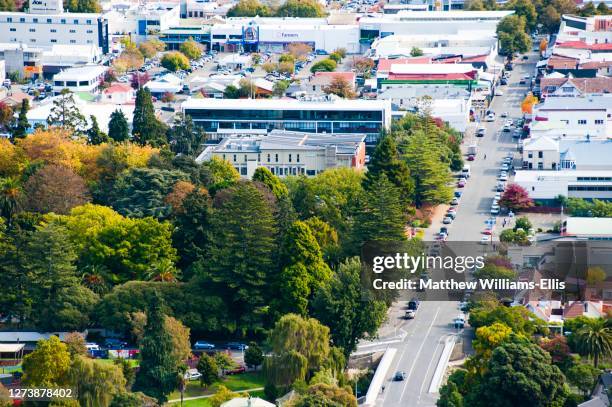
[440,341]
[419,353]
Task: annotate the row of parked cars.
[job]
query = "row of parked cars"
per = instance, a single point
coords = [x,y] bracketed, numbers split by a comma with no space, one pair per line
[204,345]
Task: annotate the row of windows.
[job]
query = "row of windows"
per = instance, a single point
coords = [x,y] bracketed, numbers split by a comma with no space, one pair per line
[307,127]
[246,114]
[584,121]
[235,157]
[594,178]
[49,21]
[589,188]
[53,30]
[52,40]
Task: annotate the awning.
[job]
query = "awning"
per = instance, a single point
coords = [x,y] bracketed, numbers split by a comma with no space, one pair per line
[11,347]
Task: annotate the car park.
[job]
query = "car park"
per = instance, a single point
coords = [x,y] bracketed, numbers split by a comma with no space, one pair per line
[203,345]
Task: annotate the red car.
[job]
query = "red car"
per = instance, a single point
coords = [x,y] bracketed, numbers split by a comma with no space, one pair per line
[461,184]
[487,232]
[238,370]
[471,157]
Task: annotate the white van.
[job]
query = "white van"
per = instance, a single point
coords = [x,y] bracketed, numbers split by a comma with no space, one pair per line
[466,171]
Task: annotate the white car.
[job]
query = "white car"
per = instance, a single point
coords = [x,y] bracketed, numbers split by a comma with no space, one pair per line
[192,374]
[503,177]
[494,209]
[499,92]
[485,240]
[92,346]
[491,118]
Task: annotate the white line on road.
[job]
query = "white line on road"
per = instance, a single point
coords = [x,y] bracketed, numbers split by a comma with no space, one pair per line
[425,339]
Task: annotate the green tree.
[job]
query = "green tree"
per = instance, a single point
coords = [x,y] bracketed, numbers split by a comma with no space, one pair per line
[583,377]
[430,175]
[157,376]
[342,300]
[224,362]
[146,128]
[175,61]
[76,344]
[595,340]
[512,35]
[416,52]
[280,87]
[253,355]
[603,9]
[303,269]
[82,6]
[222,395]
[66,114]
[22,125]
[8,5]
[327,237]
[192,235]
[265,176]
[325,65]
[94,135]
[184,137]
[231,92]
[381,217]
[249,8]
[385,160]
[325,394]
[10,192]
[241,258]
[449,393]
[95,383]
[209,370]
[118,128]
[519,319]
[217,174]
[47,365]
[301,8]
[523,223]
[191,49]
[525,9]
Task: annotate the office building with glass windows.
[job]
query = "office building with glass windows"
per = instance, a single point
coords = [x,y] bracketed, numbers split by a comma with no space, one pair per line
[219,117]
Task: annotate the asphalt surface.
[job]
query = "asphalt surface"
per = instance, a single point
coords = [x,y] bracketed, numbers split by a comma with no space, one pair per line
[420,341]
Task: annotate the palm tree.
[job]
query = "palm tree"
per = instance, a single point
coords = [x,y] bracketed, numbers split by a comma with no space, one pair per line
[9,197]
[163,270]
[595,340]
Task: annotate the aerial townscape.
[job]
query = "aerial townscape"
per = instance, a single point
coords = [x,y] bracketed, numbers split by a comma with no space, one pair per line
[306,203]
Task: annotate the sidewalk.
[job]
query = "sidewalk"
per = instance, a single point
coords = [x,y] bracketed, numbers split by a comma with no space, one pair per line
[210,395]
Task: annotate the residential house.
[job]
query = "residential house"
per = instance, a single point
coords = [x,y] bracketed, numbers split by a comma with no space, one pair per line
[321,80]
[119,94]
[569,86]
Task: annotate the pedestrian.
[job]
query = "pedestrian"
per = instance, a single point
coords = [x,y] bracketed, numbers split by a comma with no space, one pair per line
[383,388]
[485,157]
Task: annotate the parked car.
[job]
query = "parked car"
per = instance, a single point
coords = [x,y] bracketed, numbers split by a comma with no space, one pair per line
[413,304]
[500,187]
[192,374]
[113,343]
[236,370]
[447,220]
[203,345]
[451,215]
[481,132]
[485,240]
[237,346]
[471,157]
[494,209]
[444,229]
[503,177]
[461,183]
[498,92]
[487,231]
[455,201]
[92,346]
[410,314]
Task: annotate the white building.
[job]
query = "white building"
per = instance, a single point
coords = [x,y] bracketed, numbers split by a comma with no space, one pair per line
[545,153]
[548,185]
[317,115]
[587,228]
[168,83]
[289,153]
[141,20]
[82,79]
[580,116]
[46,25]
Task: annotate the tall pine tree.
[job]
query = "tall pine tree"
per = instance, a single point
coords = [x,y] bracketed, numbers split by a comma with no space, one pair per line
[158,373]
[146,128]
[95,136]
[118,128]
[22,126]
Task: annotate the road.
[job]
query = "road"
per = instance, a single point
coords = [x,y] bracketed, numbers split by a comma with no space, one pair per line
[420,346]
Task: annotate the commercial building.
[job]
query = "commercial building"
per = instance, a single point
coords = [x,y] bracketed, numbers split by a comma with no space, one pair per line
[47,24]
[546,186]
[82,79]
[587,228]
[545,153]
[317,115]
[289,153]
[144,19]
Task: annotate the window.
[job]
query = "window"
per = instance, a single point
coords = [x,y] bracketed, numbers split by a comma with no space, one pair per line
[32,30]
[83,83]
[276,157]
[582,121]
[12,29]
[89,31]
[234,157]
[268,157]
[219,36]
[243,170]
[33,40]
[49,21]
[35,20]
[53,30]
[22,20]
[540,154]
[88,22]
[53,41]
[89,41]
[9,19]
[289,157]
[567,89]
[63,21]
[598,121]
[72,31]
[75,21]
[297,159]
[530,154]
[73,41]
[540,166]
[71,83]
[245,158]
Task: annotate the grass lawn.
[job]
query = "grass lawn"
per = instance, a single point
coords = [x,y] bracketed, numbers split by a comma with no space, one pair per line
[239,382]
[133,362]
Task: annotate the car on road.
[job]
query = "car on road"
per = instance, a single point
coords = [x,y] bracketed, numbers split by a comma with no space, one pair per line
[444,230]
[487,231]
[203,345]
[522,82]
[454,201]
[481,131]
[498,92]
[447,220]
[525,57]
[113,343]
[461,183]
[494,209]
[504,114]
[410,314]
[442,236]
[503,176]
[399,376]
[485,240]
[503,81]
[491,117]
[236,346]
[413,304]
[471,157]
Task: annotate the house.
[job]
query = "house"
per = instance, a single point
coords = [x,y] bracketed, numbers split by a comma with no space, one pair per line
[321,80]
[569,86]
[247,402]
[288,153]
[589,309]
[168,83]
[119,94]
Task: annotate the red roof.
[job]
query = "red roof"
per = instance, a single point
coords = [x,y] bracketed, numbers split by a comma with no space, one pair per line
[433,77]
[475,58]
[584,45]
[384,65]
[326,77]
[118,88]
[576,309]
[561,62]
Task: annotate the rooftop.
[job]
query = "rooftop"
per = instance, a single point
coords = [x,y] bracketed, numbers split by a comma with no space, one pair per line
[287,104]
[600,84]
[592,102]
[80,73]
[589,226]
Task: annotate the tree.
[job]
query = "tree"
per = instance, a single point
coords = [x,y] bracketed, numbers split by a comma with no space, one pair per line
[334,56]
[449,393]
[8,5]
[175,61]
[584,377]
[94,135]
[95,383]
[181,347]
[550,19]
[522,223]
[54,188]
[512,35]
[416,52]
[191,236]
[151,47]
[76,344]
[241,256]
[218,174]
[543,45]
[249,8]
[325,65]
[10,192]
[528,103]
[222,395]
[157,376]
[525,9]
[146,128]
[224,361]
[385,160]
[6,115]
[23,125]
[47,365]
[253,355]
[519,319]
[323,394]
[342,300]
[559,351]
[118,128]
[83,6]
[514,236]
[191,49]
[515,197]
[595,340]
[299,50]
[66,114]
[139,79]
[341,87]
[280,87]
[265,176]
[184,137]
[304,270]
[301,8]
[603,9]
[519,374]
[431,176]
[209,370]
[286,67]
[363,66]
